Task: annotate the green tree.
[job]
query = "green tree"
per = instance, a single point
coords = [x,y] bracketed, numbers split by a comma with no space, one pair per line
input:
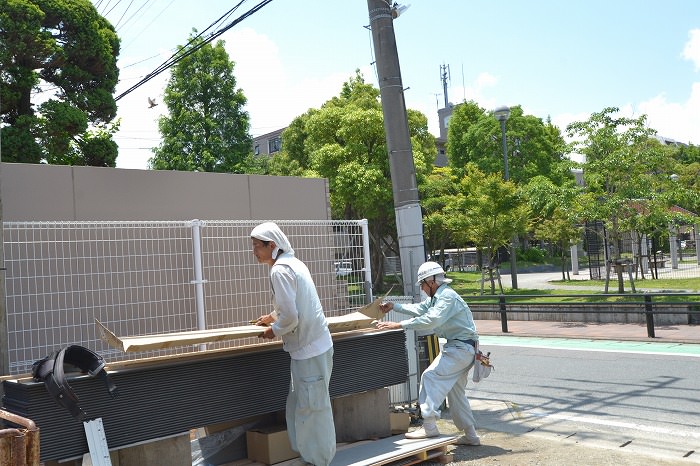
[58,66]
[344,141]
[687,167]
[628,177]
[560,229]
[437,192]
[556,212]
[486,213]
[666,198]
[544,196]
[462,134]
[206,129]
[534,147]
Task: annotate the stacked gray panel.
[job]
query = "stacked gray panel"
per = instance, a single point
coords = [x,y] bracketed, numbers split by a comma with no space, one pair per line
[170,399]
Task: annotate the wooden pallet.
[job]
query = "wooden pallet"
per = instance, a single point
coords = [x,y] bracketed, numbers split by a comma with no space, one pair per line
[436,455]
[395,451]
[391,451]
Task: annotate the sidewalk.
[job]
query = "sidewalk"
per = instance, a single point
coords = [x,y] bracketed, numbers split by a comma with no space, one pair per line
[588,330]
[510,436]
[591,331]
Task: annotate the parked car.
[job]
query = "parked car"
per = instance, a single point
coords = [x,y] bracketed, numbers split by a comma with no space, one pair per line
[343,269]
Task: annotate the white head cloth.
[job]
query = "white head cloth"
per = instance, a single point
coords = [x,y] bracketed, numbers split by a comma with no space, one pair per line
[269,231]
[440,279]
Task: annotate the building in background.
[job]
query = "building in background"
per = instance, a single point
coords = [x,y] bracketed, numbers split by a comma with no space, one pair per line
[444,115]
[269,143]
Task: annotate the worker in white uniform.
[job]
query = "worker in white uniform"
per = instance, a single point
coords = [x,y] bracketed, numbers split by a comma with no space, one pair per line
[446,313]
[299,320]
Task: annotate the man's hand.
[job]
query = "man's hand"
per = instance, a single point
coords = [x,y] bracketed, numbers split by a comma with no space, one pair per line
[388,325]
[265,320]
[267,334]
[386,307]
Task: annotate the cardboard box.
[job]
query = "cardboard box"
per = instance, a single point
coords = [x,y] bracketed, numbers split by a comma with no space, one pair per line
[399,422]
[269,445]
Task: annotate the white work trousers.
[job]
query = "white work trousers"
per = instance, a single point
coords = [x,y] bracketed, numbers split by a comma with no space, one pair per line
[309,412]
[446,377]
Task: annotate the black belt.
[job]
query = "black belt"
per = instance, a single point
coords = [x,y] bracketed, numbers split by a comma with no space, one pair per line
[469,342]
[50,371]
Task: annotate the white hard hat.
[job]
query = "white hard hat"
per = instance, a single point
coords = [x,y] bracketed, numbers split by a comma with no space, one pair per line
[428,269]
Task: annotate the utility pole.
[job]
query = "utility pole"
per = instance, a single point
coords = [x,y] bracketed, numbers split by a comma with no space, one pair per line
[409,220]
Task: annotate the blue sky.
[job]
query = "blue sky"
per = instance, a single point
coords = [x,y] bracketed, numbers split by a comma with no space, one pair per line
[558,59]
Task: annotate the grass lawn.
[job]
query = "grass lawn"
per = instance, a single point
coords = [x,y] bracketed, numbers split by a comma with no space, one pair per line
[690,284]
[468,285]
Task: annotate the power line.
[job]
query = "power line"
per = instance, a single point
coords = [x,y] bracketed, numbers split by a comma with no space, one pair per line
[144,6]
[140,61]
[148,25]
[110,10]
[124,13]
[185,51]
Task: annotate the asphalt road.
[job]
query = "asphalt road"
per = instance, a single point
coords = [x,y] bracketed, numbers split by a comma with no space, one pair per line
[605,394]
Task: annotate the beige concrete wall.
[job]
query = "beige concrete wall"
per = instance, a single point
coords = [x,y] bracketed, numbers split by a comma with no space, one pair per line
[31,192]
[61,193]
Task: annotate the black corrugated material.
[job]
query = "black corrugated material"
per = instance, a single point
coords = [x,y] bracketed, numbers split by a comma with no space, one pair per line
[170,399]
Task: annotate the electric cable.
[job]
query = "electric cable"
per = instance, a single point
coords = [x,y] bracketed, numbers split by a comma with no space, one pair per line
[123,14]
[185,51]
[144,7]
[146,27]
[110,10]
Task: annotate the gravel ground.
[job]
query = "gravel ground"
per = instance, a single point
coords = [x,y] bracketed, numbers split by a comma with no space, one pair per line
[498,448]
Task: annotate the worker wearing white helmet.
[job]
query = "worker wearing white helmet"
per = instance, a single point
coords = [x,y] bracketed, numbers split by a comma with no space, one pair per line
[446,313]
[299,320]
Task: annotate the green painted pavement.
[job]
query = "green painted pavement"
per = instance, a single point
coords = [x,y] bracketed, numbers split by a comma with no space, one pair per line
[686,349]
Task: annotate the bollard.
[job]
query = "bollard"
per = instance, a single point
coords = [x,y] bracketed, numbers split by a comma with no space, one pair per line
[649,314]
[504,317]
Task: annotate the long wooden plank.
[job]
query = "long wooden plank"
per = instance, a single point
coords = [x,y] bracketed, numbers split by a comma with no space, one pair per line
[360,319]
[170,340]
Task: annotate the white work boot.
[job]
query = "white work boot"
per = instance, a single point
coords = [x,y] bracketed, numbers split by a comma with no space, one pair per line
[428,430]
[469,438]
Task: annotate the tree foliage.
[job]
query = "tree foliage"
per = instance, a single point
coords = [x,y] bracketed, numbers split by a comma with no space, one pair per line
[623,167]
[439,190]
[58,66]
[487,213]
[344,141]
[206,128]
[560,228]
[544,196]
[630,180]
[686,191]
[533,146]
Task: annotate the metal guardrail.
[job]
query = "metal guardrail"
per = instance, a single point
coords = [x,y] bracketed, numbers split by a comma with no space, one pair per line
[628,303]
[19,447]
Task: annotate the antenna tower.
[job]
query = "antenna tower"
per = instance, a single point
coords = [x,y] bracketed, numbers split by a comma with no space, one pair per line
[444,77]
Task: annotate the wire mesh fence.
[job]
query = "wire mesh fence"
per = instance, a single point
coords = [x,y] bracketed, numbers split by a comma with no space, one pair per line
[645,257]
[141,278]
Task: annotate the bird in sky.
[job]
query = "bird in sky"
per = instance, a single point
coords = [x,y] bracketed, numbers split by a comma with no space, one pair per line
[151,103]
